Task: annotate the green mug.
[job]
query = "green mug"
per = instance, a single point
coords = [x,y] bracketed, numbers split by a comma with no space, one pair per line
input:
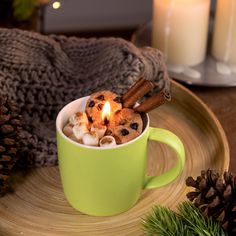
[104,181]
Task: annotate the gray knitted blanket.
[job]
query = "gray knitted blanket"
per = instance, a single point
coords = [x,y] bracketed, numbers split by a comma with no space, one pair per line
[43,73]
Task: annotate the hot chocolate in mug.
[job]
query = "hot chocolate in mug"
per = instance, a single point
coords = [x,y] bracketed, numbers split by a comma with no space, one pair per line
[104,181]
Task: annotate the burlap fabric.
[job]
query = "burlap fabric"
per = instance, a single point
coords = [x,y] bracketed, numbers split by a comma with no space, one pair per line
[43,73]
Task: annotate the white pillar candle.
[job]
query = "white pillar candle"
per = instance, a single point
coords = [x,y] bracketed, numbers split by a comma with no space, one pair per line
[180,29]
[224,36]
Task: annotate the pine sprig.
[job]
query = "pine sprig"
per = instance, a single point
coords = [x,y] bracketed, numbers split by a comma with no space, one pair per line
[197,222]
[23,9]
[162,221]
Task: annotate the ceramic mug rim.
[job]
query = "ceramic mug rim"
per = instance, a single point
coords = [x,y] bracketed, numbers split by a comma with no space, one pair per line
[59,129]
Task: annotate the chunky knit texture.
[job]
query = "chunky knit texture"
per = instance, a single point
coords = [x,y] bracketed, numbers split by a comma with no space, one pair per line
[43,73]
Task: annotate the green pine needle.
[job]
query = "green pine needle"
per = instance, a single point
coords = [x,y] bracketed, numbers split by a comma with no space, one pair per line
[196,222]
[162,221]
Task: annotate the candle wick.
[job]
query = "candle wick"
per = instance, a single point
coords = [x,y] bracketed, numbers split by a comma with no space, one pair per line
[106,121]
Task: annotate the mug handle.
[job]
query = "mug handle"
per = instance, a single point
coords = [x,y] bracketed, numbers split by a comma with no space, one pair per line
[166,137]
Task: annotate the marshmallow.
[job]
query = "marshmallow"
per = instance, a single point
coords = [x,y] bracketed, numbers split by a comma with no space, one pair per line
[78,117]
[79,130]
[67,130]
[99,129]
[72,137]
[90,138]
[107,141]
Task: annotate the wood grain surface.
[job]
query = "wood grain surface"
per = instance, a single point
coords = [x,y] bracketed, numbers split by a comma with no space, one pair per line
[222,101]
[38,206]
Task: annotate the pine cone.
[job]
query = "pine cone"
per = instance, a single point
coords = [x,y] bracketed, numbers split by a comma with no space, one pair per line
[215,196]
[10,126]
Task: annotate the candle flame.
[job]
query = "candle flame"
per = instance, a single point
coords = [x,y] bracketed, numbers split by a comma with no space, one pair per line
[56,5]
[106,111]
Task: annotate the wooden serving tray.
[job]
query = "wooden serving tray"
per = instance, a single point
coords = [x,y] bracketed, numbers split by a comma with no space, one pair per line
[38,206]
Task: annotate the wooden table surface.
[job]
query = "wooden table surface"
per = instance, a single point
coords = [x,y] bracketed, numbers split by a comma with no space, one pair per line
[222,101]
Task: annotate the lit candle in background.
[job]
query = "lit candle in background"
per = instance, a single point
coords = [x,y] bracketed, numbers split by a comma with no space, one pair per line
[180,29]
[224,36]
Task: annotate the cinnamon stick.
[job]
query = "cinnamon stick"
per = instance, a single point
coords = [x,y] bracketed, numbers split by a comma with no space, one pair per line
[155,101]
[133,89]
[136,92]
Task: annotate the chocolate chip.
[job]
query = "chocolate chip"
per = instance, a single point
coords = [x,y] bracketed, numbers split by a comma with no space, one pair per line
[100,106]
[124,132]
[100,97]
[134,126]
[117,99]
[90,119]
[91,104]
